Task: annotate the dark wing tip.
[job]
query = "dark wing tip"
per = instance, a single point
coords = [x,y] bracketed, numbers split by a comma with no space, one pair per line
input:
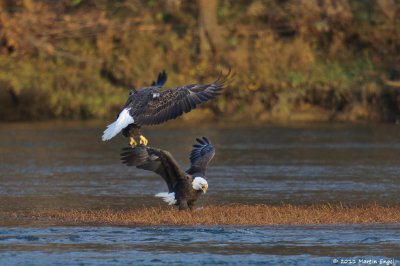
[161,79]
[216,88]
[202,153]
[224,79]
[203,141]
[201,148]
[199,140]
[134,156]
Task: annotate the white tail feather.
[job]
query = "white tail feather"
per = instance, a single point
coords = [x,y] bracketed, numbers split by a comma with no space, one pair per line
[123,120]
[167,197]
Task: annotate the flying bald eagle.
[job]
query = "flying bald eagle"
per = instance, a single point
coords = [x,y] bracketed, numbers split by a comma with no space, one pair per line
[150,106]
[184,187]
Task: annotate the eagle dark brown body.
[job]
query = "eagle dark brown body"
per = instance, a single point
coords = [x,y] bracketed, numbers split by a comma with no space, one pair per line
[151,106]
[184,187]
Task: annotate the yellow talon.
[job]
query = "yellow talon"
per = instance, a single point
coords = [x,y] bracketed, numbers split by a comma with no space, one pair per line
[133,142]
[143,140]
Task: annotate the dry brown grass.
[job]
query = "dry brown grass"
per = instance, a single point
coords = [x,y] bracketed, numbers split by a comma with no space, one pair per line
[225,215]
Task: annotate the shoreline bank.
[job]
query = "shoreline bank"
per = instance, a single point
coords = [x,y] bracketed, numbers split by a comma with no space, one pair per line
[237,214]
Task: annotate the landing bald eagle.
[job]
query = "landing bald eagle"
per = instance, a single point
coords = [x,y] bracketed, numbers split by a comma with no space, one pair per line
[184,187]
[150,106]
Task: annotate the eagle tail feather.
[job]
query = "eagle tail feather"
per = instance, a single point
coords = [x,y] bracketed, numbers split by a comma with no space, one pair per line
[123,120]
[167,197]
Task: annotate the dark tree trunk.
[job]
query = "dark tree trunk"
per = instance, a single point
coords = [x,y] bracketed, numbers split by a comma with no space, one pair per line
[211,34]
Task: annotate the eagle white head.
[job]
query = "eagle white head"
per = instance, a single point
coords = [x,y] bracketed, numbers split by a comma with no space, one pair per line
[200,183]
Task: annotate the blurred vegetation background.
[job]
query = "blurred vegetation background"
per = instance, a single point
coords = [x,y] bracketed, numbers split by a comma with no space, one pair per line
[294,60]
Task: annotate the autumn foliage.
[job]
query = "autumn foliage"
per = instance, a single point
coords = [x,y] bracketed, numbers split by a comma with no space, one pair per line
[294,60]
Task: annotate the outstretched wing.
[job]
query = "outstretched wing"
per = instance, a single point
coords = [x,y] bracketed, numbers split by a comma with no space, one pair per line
[170,104]
[155,160]
[161,79]
[202,153]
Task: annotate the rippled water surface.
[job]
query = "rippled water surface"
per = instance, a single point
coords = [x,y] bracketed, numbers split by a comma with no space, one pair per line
[65,165]
[273,245]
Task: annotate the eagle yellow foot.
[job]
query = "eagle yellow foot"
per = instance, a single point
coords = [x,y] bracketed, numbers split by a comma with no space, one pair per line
[143,140]
[133,142]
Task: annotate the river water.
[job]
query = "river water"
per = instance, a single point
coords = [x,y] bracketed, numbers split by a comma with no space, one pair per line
[65,165]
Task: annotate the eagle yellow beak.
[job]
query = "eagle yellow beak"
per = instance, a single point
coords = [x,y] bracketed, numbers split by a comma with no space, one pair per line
[204,188]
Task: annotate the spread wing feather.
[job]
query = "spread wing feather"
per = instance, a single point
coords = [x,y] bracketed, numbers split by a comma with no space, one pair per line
[174,102]
[161,79]
[202,153]
[155,160]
